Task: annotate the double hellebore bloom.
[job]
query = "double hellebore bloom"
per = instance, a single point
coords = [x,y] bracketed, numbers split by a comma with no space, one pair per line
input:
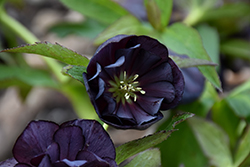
[131,78]
[76,143]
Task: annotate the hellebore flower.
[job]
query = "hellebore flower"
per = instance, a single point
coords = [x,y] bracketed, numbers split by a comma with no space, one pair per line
[131,78]
[77,143]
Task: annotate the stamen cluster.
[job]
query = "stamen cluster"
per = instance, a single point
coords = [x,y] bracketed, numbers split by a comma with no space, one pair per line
[125,87]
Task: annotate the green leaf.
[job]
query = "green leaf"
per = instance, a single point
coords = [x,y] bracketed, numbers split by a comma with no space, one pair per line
[224,116]
[159,12]
[74,72]
[128,25]
[211,41]
[80,101]
[33,77]
[243,150]
[55,51]
[239,99]
[240,103]
[185,62]
[133,147]
[227,11]
[204,103]
[185,40]
[213,141]
[89,28]
[181,148]
[148,158]
[106,11]
[237,48]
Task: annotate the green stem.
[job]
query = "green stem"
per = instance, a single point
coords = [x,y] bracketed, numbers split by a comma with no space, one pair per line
[28,37]
[194,16]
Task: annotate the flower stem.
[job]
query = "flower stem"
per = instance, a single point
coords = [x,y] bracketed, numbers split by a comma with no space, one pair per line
[28,37]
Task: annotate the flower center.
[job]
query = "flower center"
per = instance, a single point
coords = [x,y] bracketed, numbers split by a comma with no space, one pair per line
[124,88]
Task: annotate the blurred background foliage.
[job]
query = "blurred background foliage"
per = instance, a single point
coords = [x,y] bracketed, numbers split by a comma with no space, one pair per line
[214,30]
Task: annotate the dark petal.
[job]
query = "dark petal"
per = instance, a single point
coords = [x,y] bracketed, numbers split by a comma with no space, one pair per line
[53,151]
[163,72]
[8,162]
[111,162]
[92,159]
[70,140]
[37,159]
[88,156]
[149,44]
[178,85]
[161,90]
[45,162]
[105,54]
[97,139]
[34,140]
[118,63]
[123,111]
[142,62]
[101,87]
[194,84]
[151,105]
[74,163]
[134,112]
[140,115]
[98,70]
[20,165]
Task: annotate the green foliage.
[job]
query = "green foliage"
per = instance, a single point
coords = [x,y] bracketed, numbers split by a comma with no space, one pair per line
[190,62]
[55,51]
[239,99]
[159,12]
[181,148]
[106,11]
[148,158]
[133,147]
[185,40]
[12,75]
[236,48]
[128,25]
[74,72]
[213,141]
[211,41]
[89,28]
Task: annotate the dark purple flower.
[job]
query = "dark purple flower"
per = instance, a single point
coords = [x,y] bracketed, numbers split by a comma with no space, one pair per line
[131,78]
[77,143]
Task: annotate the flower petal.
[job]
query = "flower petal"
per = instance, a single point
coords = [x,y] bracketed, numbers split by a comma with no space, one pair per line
[163,72]
[140,115]
[45,162]
[97,139]
[108,49]
[53,151]
[70,140]
[8,162]
[20,165]
[92,159]
[34,140]
[150,44]
[194,84]
[178,86]
[161,90]
[151,105]
[101,87]
[74,163]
